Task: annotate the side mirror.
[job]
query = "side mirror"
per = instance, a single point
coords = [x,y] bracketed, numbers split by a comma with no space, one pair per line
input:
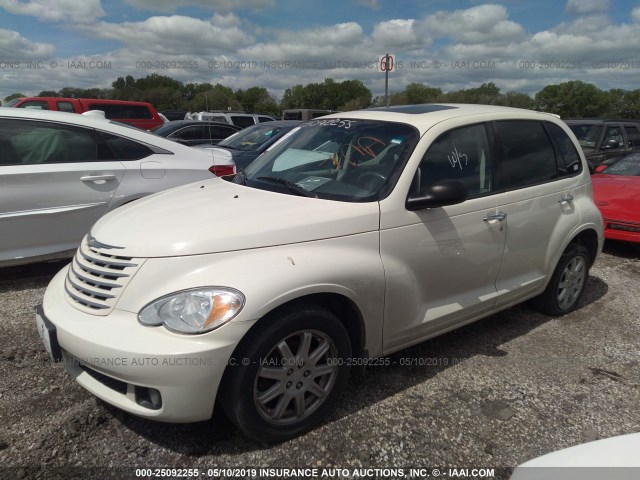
[601,168]
[612,143]
[440,194]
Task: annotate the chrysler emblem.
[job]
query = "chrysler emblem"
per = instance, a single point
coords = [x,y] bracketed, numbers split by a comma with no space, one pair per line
[93,243]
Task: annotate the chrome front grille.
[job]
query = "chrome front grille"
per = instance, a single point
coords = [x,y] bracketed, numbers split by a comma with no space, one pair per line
[97,277]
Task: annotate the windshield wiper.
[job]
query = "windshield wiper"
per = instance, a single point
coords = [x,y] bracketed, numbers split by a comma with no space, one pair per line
[295,188]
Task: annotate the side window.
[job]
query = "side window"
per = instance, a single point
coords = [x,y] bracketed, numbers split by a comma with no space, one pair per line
[110,111]
[218,133]
[36,104]
[135,111]
[242,121]
[65,107]
[194,132]
[124,148]
[264,119]
[613,133]
[29,142]
[527,154]
[633,136]
[570,162]
[462,154]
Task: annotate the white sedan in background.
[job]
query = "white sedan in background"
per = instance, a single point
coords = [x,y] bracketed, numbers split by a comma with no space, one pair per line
[60,172]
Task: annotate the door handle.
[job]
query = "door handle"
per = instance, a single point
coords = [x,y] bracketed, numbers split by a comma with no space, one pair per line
[567,198]
[96,178]
[500,216]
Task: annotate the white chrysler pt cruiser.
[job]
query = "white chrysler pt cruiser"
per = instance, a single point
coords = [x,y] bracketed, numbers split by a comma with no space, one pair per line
[357,235]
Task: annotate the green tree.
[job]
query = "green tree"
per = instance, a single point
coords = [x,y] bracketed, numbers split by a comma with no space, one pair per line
[217,97]
[572,99]
[256,100]
[48,93]
[12,96]
[293,98]
[631,105]
[514,99]
[416,93]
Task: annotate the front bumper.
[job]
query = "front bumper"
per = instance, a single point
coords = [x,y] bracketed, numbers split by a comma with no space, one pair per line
[622,230]
[112,355]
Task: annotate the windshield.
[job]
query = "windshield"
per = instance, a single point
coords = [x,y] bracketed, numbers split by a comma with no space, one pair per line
[587,134]
[251,138]
[166,129]
[336,159]
[12,102]
[628,166]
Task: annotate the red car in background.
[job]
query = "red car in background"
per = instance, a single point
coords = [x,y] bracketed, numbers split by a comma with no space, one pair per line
[141,115]
[616,191]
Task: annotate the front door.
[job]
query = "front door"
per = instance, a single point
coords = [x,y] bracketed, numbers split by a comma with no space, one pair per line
[52,187]
[441,264]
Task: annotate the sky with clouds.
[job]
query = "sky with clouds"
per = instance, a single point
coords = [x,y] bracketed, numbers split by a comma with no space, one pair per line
[451,44]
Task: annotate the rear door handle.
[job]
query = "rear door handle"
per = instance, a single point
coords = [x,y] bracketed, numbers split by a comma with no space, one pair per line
[500,216]
[96,178]
[567,198]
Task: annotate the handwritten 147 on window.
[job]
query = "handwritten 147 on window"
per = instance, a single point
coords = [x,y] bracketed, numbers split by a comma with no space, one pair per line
[455,159]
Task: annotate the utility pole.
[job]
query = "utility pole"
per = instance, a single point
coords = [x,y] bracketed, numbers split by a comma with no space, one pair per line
[386,64]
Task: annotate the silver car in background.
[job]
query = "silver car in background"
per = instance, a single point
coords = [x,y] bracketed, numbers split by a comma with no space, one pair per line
[60,172]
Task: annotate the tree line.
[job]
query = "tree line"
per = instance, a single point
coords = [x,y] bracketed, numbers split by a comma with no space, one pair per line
[568,99]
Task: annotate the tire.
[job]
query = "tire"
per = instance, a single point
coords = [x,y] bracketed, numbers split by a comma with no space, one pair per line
[567,283]
[296,368]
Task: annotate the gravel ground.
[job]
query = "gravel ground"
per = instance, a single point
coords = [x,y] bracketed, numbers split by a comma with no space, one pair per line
[490,395]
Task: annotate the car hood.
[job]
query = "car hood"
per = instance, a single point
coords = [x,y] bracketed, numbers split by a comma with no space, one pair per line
[218,216]
[617,196]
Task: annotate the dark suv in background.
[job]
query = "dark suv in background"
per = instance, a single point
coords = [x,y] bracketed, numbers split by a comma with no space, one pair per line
[605,141]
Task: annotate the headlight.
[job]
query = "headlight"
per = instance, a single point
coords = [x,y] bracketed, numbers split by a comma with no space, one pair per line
[198,310]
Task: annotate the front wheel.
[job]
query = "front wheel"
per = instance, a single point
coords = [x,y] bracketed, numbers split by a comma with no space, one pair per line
[287,374]
[567,283]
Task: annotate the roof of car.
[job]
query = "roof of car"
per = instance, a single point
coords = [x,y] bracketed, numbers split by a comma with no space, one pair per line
[184,123]
[424,116]
[97,122]
[596,121]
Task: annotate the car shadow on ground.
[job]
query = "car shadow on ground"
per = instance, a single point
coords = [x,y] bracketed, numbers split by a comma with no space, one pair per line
[34,275]
[484,337]
[622,249]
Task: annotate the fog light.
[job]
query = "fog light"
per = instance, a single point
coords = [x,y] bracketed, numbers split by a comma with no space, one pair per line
[148,398]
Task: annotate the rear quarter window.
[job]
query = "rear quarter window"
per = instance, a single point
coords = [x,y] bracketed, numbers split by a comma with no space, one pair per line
[125,149]
[569,162]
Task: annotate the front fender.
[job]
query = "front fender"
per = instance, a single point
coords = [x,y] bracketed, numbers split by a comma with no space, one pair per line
[270,277]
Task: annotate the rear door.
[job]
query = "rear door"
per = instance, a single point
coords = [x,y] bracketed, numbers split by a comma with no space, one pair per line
[53,186]
[539,178]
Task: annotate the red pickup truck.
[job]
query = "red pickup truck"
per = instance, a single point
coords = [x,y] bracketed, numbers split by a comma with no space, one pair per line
[138,114]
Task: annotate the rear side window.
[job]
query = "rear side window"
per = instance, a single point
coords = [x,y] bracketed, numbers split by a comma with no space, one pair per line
[194,132]
[528,157]
[37,104]
[462,154]
[633,136]
[125,149]
[65,107]
[27,142]
[264,119]
[242,121]
[122,111]
[217,132]
[570,162]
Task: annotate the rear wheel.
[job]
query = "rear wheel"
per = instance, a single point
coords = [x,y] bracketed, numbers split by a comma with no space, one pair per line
[567,283]
[287,374]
